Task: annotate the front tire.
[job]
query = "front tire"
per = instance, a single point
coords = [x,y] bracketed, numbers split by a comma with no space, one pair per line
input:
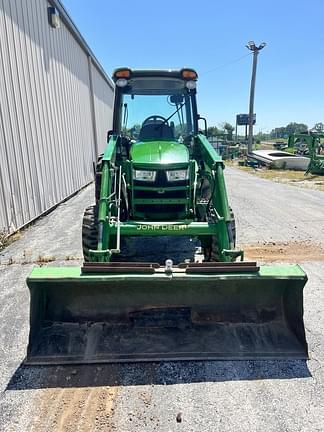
[210,245]
[211,250]
[89,231]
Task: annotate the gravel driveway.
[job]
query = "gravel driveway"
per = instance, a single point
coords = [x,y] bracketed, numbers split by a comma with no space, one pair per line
[184,396]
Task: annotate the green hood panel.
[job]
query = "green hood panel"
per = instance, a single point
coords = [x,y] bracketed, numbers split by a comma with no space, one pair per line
[159,152]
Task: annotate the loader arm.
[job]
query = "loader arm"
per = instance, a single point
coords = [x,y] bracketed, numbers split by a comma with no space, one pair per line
[213,165]
[106,192]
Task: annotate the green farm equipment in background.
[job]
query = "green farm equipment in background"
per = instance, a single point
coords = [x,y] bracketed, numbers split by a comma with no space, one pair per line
[309,145]
[160,178]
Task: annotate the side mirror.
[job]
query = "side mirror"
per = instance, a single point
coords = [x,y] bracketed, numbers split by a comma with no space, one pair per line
[109,134]
[176,99]
[205,124]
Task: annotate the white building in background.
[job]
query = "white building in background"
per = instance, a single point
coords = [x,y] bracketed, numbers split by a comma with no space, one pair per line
[55,109]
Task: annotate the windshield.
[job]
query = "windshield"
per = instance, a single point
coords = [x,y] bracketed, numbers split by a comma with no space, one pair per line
[166,114]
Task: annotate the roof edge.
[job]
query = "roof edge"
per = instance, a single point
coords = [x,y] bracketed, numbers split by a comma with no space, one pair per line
[67,20]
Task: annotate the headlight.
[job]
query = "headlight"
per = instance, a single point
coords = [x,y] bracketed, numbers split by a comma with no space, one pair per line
[177,175]
[121,82]
[144,175]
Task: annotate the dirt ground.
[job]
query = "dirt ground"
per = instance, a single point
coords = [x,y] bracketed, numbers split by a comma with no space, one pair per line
[290,252]
[87,407]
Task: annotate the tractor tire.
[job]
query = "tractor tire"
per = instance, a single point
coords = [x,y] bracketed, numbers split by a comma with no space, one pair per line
[210,246]
[90,233]
[89,230]
[233,226]
[211,251]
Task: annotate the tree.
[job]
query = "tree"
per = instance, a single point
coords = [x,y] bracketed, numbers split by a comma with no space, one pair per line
[296,128]
[229,130]
[291,128]
[261,136]
[213,131]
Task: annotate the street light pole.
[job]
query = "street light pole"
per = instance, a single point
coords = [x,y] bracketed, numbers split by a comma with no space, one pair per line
[252,47]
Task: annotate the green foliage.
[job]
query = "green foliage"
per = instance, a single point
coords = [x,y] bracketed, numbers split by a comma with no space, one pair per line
[291,128]
[228,128]
[4,240]
[133,132]
[261,136]
[290,150]
[213,131]
[180,130]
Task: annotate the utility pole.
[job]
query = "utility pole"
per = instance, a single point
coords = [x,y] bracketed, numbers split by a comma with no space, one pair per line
[252,47]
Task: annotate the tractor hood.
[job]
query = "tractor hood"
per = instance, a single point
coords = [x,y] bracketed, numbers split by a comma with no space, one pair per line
[159,152]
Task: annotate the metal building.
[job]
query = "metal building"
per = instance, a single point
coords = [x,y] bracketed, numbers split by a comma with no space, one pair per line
[55,109]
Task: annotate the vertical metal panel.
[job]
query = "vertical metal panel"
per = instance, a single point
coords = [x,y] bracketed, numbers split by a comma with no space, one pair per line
[47,127]
[103,104]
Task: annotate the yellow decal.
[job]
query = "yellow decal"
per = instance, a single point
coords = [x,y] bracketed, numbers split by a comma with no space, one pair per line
[161,227]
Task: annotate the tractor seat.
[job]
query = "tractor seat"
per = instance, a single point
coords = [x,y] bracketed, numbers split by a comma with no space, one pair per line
[156,131]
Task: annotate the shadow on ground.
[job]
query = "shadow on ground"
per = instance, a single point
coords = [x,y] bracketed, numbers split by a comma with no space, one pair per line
[158,249]
[159,373]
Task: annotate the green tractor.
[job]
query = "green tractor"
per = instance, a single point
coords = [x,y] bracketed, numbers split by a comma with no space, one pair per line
[160,178]
[157,167]
[309,144]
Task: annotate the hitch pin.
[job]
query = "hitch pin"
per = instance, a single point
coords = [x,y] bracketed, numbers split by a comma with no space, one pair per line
[168,266]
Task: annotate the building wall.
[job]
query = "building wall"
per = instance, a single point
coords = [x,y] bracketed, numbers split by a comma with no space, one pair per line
[55,110]
[103,105]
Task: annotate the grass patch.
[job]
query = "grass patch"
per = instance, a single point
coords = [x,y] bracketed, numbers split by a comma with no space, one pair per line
[43,259]
[72,258]
[6,240]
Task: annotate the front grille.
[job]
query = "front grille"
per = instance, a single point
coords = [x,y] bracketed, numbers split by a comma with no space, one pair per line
[156,195]
[160,210]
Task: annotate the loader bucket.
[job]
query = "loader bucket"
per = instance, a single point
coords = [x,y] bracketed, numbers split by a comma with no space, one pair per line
[154,315]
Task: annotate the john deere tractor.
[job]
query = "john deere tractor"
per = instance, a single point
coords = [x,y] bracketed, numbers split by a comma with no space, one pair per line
[160,177]
[158,168]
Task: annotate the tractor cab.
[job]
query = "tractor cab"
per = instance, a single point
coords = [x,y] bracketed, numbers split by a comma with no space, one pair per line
[156,119]
[155,104]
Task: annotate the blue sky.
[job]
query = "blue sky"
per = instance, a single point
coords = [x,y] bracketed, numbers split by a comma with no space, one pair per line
[209,36]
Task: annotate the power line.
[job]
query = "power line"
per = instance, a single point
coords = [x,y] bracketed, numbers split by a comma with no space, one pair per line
[226,64]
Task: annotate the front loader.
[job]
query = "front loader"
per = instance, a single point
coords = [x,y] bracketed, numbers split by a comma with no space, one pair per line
[160,178]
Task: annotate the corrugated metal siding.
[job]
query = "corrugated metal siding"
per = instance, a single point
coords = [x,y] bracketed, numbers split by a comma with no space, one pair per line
[103,107]
[47,126]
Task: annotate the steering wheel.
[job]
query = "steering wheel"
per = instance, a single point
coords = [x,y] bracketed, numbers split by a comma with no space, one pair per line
[154,118]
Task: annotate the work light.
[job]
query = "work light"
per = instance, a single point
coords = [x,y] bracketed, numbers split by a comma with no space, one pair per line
[144,175]
[177,175]
[121,82]
[191,85]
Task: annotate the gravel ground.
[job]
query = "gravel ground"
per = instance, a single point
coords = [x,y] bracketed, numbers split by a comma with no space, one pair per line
[185,396]
[269,211]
